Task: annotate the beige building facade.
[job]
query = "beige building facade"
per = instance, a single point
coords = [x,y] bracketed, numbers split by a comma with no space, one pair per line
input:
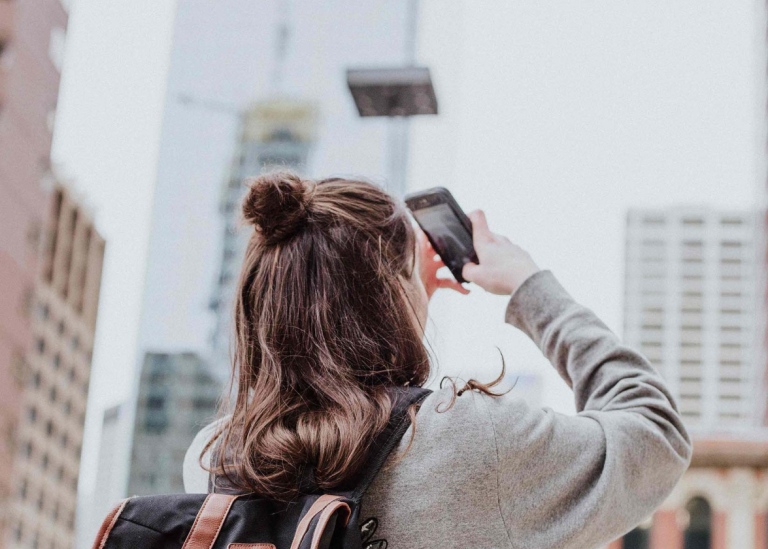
[693,307]
[57,374]
[721,502]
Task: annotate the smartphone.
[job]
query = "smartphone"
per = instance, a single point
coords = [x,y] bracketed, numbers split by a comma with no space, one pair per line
[447,227]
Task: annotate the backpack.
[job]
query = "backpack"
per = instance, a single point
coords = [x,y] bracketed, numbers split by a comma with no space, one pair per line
[227,519]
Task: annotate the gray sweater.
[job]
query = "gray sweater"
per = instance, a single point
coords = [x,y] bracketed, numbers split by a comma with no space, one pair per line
[495,472]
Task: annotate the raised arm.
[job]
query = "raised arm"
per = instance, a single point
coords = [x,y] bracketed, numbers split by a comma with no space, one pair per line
[578,481]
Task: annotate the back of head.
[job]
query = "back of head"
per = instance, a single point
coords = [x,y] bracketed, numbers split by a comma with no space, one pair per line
[323,328]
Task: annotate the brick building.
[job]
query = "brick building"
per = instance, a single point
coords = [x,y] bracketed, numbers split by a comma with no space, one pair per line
[49,434]
[721,502]
[31,52]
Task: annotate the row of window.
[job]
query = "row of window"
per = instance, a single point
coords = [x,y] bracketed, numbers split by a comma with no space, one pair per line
[697,528]
[657,220]
[36,536]
[45,501]
[31,453]
[725,347]
[653,281]
[57,396]
[52,431]
[73,340]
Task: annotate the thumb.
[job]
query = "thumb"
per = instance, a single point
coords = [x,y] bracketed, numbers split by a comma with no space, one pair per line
[480,230]
[469,271]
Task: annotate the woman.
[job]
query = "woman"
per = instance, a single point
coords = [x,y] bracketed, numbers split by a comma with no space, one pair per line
[330,312]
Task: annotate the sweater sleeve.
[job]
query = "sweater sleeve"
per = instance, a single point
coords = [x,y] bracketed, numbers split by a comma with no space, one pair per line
[581,481]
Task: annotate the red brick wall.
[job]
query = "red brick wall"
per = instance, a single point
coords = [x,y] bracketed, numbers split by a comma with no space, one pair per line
[665,532]
[761,531]
[719,530]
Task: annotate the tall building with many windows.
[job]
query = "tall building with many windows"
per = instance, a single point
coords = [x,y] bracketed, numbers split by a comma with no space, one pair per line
[55,379]
[293,73]
[275,134]
[91,511]
[177,397]
[31,52]
[691,308]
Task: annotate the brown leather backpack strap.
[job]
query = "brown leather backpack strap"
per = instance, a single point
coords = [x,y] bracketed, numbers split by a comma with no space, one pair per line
[332,508]
[317,507]
[109,523]
[209,521]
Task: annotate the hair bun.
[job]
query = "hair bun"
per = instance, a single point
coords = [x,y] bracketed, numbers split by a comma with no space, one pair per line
[276,204]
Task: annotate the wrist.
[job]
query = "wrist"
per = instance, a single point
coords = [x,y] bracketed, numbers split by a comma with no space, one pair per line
[520,277]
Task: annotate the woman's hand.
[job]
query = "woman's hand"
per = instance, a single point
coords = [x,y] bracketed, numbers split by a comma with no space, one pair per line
[429,263]
[503,267]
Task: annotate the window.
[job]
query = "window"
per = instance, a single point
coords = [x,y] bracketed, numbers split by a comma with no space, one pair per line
[156,423]
[42,311]
[639,538]
[731,221]
[202,404]
[155,403]
[698,533]
[653,220]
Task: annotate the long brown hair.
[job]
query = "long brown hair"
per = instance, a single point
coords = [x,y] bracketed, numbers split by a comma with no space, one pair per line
[323,327]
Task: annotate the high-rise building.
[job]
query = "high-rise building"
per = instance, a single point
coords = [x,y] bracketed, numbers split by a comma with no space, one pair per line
[690,307]
[31,52]
[56,379]
[275,134]
[177,397]
[110,489]
[219,68]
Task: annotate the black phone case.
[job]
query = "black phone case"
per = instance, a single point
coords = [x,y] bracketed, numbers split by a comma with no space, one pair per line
[442,196]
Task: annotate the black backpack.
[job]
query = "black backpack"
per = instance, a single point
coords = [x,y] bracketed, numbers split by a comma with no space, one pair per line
[225,519]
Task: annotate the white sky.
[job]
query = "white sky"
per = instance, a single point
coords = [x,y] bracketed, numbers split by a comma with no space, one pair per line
[555,117]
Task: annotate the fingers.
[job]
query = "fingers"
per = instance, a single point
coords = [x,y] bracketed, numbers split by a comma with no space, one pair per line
[469,271]
[421,239]
[480,230]
[451,284]
[424,245]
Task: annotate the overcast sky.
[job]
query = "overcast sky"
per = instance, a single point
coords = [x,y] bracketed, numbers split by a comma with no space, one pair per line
[555,117]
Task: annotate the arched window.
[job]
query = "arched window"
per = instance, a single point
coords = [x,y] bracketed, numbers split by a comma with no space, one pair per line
[698,533]
[639,538]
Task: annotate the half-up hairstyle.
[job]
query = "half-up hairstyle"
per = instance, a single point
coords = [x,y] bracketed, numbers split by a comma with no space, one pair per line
[323,327]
